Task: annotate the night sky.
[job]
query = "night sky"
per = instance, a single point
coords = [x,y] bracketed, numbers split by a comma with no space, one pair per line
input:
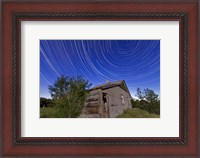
[135,61]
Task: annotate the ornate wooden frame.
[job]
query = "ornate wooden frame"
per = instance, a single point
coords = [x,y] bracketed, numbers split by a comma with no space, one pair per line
[185,12]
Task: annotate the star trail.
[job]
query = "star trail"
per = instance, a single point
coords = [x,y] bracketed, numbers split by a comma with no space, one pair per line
[135,61]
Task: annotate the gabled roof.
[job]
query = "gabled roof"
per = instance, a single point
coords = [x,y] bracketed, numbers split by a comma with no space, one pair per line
[121,84]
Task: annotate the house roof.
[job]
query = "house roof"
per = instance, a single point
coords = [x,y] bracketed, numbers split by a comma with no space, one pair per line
[121,84]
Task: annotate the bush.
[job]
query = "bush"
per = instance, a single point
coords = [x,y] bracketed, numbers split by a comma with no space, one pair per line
[147,100]
[44,102]
[69,94]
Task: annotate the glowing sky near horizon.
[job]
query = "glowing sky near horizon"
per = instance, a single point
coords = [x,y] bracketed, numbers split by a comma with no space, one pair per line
[135,61]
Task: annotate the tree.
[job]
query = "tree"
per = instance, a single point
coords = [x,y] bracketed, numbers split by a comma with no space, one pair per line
[60,87]
[140,94]
[147,94]
[43,102]
[69,94]
[150,95]
[148,100]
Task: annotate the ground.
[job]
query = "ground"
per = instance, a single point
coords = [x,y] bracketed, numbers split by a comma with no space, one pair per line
[50,112]
[137,113]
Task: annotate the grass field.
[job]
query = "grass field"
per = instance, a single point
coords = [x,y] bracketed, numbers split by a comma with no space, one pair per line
[137,113]
[48,112]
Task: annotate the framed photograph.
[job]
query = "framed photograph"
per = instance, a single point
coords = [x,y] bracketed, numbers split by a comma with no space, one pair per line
[100,79]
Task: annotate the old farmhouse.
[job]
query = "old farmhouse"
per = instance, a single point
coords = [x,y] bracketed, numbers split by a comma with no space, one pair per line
[107,100]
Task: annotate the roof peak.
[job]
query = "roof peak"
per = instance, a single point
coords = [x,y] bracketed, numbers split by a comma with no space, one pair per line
[107,85]
[108,82]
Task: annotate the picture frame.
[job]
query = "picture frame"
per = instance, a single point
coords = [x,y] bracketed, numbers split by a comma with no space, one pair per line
[187,144]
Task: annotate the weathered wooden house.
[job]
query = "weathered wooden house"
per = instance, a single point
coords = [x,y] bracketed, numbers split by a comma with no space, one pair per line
[107,100]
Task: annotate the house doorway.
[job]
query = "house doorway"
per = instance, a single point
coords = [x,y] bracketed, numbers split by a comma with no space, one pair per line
[105,104]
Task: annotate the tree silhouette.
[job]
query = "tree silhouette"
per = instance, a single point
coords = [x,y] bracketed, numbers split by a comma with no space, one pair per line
[69,94]
[147,100]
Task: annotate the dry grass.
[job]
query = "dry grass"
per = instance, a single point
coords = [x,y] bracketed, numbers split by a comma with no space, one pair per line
[137,113]
[48,112]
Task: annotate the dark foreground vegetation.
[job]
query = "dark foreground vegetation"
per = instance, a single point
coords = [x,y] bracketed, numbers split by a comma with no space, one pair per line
[68,96]
[147,100]
[69,93]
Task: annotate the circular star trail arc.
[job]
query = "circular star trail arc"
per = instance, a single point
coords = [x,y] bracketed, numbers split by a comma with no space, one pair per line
[135,61]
